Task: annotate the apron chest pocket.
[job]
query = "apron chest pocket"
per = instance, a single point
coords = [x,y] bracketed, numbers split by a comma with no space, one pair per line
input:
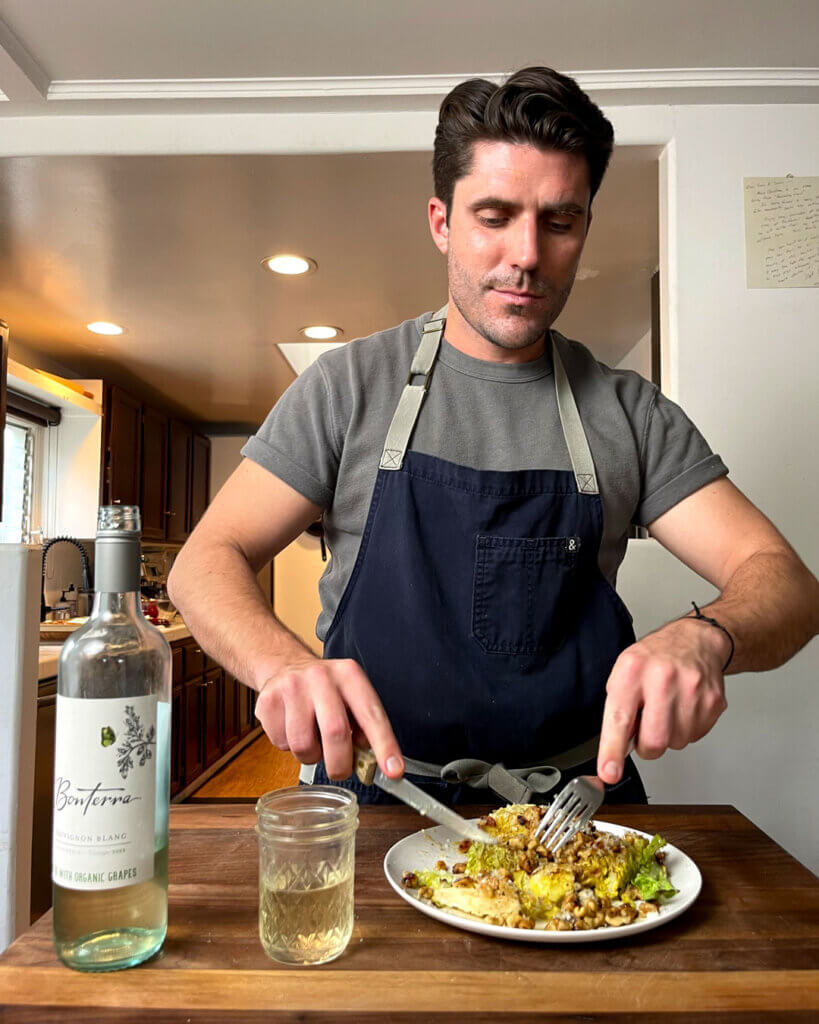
[522,597]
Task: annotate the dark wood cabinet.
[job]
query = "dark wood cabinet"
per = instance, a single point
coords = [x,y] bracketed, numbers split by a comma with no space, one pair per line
[247,700]
[156,462]
[179,467]
[200,479]
[122,449]
[193,693]
[43,798]
[212,726]
[154,473]
[230,712]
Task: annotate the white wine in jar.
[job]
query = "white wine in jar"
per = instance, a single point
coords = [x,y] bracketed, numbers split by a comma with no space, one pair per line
[306,924]
[112,768]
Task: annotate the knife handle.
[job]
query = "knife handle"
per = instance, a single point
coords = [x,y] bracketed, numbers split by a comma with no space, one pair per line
[365,765]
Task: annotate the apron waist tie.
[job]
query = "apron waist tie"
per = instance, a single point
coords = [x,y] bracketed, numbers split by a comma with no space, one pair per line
[517,785]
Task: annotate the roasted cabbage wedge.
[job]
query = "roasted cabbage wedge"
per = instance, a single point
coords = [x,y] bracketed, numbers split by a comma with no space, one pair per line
[597,880]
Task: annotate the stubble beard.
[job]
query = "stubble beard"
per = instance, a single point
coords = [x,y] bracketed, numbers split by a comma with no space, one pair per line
[531,327]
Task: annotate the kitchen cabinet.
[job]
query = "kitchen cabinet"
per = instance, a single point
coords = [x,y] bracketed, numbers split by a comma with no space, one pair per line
[193,693]
[247,704]
[122,450]
[200,479]
[154,473]
[155,461]
[179,466]
[212,718]
[43,815]
[230,712]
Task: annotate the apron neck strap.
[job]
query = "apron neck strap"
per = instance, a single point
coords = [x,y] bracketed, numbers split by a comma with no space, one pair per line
[573,432]
[409,405]
[412,397]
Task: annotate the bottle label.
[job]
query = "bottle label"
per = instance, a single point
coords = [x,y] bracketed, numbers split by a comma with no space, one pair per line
[105,765]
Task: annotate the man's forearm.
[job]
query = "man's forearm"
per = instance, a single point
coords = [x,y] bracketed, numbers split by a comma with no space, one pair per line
[770,606]
[218,595]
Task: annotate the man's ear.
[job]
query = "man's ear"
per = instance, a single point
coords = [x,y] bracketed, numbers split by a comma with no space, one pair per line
[439,229]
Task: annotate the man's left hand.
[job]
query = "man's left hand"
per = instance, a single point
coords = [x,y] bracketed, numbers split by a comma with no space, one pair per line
[671,683]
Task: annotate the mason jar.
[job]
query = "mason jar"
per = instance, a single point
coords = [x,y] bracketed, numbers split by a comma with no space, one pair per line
[306,872]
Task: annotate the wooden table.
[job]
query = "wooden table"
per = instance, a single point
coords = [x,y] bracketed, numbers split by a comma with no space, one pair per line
[747,950]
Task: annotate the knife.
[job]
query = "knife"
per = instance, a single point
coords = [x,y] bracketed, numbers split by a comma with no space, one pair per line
[368,772]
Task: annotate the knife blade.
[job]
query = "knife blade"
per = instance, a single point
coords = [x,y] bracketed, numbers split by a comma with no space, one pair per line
[367,770]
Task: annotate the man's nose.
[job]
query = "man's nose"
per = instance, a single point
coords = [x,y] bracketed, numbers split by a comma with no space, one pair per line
[525,244]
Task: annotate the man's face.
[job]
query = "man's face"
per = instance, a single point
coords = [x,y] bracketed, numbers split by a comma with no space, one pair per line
[517,224]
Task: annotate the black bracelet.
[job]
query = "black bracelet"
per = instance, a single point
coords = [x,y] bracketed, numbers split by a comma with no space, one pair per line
[698,615]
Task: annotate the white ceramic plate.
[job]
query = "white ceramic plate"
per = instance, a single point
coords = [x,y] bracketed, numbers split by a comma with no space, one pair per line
[421,850]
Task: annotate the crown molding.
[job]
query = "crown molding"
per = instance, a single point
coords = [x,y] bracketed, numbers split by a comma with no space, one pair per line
[21,77]
[417,85]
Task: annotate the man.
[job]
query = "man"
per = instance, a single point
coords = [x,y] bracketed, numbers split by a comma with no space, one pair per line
[477,474]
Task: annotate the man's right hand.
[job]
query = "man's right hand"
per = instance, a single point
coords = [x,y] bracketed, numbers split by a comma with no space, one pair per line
[316,708]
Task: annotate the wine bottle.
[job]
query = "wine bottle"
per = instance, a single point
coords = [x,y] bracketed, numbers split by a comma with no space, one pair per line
[112,768]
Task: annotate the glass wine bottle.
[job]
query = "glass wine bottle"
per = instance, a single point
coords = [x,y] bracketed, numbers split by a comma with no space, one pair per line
[112,768]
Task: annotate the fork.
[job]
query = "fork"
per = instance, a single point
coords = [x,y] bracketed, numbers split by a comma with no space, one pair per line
[572,809]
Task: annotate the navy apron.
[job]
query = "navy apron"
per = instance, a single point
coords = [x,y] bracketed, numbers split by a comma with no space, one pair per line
[477,609]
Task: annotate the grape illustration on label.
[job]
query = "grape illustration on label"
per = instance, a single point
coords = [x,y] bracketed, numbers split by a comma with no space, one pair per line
[135,743]
[108,736]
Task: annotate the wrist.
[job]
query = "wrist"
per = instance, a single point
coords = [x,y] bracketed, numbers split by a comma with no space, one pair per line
[718,638]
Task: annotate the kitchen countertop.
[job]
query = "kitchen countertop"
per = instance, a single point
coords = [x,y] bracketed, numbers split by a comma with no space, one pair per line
[748,949]
[50,652]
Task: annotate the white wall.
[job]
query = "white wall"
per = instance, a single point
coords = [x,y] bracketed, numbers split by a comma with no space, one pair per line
[746,369]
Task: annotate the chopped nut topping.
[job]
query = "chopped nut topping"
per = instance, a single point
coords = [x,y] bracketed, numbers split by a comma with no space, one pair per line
[410,879]
[440,865]
[464,845]
[459,868]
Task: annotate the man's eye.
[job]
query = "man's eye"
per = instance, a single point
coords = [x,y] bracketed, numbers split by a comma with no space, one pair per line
[560,226]
[492,222]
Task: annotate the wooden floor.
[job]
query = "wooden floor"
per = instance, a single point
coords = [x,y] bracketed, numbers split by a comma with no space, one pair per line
[256,770]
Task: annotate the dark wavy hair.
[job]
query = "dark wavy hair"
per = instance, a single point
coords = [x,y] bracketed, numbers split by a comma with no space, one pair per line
[534,106]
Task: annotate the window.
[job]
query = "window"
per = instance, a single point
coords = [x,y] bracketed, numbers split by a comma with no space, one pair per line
[20,481]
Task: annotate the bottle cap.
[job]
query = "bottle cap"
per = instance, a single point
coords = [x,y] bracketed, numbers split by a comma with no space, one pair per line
[119,519]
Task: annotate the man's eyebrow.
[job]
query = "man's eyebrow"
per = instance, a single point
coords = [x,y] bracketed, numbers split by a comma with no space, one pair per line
[496,203]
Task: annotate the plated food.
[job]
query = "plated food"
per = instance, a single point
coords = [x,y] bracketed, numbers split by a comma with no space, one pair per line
[607,881]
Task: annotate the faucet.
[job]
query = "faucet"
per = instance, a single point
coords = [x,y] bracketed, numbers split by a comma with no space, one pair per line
[85,587]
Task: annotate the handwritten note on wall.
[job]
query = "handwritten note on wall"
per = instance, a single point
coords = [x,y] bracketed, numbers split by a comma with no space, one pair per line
[782,232]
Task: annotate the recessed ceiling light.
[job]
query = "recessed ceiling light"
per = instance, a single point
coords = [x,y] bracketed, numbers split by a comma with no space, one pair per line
[321,333]
[291,265]
[104,327]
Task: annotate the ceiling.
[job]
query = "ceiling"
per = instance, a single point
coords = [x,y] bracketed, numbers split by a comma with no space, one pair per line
[170,248]
[118,54]
[170,245]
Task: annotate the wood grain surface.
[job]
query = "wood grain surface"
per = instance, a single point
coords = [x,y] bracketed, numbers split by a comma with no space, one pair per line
[747,950]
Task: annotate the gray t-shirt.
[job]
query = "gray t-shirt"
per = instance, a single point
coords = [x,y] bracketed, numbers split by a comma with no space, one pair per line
[325,435]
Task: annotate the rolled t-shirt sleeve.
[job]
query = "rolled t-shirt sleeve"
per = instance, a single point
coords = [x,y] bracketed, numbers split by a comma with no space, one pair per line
[675,460]
[298,440]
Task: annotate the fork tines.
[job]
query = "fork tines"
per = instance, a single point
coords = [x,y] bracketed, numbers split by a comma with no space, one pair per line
[568,813]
